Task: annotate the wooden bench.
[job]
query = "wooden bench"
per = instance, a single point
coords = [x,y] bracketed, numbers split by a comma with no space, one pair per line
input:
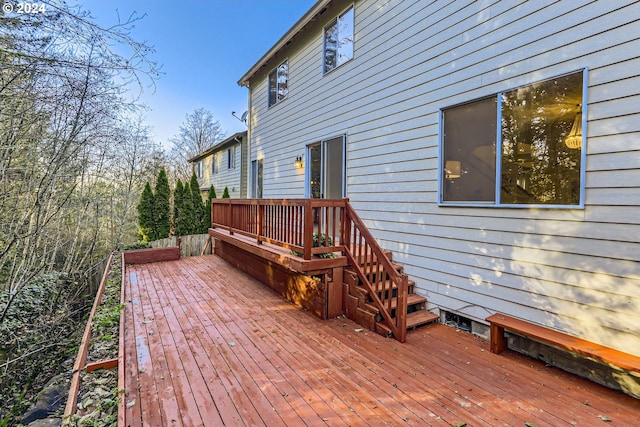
[500,322]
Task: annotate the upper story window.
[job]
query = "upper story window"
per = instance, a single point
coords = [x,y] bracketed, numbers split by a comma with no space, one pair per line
[521,147]
[231,158]
[199,169]
[278,83]
[338,41]
[214,163]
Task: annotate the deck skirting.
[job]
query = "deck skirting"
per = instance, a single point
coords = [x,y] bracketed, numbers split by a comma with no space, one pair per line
[312,293]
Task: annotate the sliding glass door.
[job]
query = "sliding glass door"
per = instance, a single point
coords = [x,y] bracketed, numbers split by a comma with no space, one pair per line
[326,169]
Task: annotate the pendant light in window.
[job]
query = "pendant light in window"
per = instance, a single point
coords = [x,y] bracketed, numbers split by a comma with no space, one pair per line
[574,139]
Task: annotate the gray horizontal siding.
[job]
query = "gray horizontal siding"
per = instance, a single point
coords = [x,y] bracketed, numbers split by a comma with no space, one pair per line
[573,269]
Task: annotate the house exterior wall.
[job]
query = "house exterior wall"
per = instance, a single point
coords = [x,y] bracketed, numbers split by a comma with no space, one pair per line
[235,178]
[575,270]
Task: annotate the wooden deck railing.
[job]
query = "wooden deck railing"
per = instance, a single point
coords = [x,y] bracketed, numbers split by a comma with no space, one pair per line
[294,224]
[387,287]
[288,223]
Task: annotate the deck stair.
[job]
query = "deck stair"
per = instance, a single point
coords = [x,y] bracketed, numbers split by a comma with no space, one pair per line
[359,305]
[376,293]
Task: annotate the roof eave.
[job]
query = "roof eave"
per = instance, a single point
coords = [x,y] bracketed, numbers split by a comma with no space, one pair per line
[284,40]
[218,146]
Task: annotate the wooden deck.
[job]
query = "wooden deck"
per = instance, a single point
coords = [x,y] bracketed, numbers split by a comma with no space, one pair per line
[207,345]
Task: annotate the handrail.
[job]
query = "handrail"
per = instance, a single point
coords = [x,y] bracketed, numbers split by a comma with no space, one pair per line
[363,249]
[293,223]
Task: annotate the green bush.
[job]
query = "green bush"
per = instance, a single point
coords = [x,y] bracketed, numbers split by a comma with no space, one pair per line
[138,245]
[321,240]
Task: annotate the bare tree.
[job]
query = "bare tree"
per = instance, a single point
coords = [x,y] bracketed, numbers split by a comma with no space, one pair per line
[198,132]
[63,90]
[133,161]
[74,156]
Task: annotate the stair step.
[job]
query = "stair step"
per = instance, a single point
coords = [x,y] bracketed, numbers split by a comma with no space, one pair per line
[420,318]
[414,320]
[412,299]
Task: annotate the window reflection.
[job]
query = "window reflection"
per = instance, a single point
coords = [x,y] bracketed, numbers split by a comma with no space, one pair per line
[338,41]
[539,152]
[537,166]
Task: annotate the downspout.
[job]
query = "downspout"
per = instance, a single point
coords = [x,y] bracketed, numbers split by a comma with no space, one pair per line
[249,144]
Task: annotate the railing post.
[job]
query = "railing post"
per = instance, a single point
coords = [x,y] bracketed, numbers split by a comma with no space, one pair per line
[212,215]
[307,237]
[230,216]
[401,308]
[260,222]
[345,229]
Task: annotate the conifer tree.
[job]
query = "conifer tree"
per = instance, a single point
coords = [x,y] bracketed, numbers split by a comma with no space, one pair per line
[162,207]
[199,212]
[178,209]
[145,213]
[225,193]
[212,195]
[189,212]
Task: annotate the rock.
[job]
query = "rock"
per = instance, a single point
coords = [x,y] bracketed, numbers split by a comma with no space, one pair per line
[102,381]
[33,414]
[89,418]
[50,400]
[87,403]
[46,422]
[102,393]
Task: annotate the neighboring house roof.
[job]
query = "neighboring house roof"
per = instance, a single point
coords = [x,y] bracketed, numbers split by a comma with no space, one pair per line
[299,26]
[233,139]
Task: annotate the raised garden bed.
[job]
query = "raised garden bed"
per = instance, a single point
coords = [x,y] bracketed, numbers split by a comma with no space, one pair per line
[94,395]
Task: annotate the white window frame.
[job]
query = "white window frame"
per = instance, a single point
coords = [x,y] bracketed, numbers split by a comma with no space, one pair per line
[214,163]
[338,23]
[323,147]
[231,157]
[277,90]
[497,203]
[257,170]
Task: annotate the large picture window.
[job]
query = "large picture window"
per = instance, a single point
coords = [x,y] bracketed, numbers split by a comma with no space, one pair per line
[278,83]
[338,41]
[520,147]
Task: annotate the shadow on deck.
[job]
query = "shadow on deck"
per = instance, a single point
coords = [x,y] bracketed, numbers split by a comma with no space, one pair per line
[206,344]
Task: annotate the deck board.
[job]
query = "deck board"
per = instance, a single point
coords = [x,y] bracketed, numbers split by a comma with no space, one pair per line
[199,341]
[155,382]
[253,352]
[207,345]
[132,412]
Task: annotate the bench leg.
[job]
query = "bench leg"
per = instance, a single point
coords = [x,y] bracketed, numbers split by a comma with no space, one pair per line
[498,342]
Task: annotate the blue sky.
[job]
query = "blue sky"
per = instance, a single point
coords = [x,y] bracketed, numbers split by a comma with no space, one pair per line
[204,47]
